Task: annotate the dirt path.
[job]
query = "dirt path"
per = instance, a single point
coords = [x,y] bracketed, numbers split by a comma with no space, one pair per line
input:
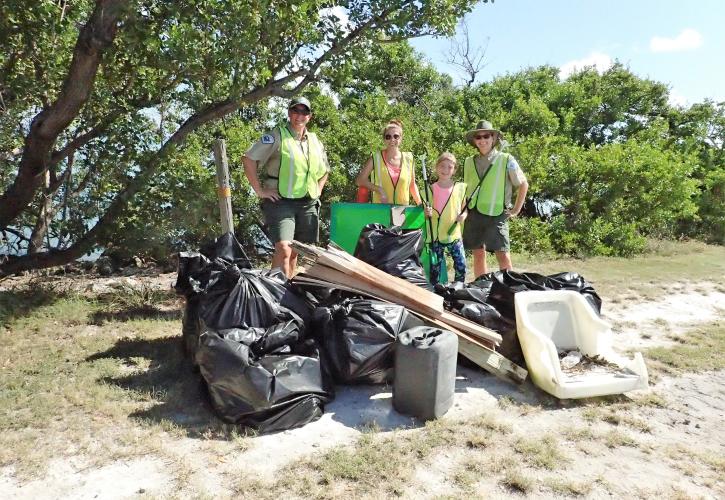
[671,444]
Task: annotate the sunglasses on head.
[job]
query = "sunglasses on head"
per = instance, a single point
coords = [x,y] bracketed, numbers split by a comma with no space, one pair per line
[484,136]
[301,111]
[392,136]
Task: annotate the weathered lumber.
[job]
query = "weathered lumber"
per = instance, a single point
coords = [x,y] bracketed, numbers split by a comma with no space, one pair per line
[349,265]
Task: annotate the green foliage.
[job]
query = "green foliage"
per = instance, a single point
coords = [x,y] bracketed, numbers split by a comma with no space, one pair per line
[530,235]
[609,161]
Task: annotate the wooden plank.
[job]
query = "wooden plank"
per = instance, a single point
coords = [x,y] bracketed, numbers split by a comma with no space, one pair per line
[352,266]
[467,325]
[491,361]
[335,276]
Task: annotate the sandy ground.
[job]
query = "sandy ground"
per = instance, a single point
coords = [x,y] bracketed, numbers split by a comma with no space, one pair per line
[692,419]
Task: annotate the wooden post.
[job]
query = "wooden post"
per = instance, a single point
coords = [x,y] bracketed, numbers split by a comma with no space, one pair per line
[224,191]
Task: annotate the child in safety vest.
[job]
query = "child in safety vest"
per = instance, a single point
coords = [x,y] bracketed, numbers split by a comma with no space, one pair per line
[446,210]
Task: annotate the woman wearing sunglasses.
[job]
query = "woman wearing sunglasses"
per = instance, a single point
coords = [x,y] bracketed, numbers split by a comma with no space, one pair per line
[390,173]
[491,177]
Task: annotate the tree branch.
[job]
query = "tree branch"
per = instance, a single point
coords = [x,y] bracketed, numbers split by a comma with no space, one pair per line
[95,37]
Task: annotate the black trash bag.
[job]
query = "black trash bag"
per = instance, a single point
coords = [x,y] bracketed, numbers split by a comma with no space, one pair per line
[191,329]
[393,250]
[357,338]
[456,291]
[242,298]
[505,284]
[193,265]
[270,393]
[227,248]
[469,301]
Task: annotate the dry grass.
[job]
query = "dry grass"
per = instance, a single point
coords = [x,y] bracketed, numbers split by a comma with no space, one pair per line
[692,353]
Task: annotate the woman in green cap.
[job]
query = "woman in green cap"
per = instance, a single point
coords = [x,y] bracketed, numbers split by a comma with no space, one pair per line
[491,176]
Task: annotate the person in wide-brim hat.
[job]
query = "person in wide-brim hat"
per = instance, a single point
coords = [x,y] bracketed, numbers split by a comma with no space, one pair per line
[491,177]
[483,126]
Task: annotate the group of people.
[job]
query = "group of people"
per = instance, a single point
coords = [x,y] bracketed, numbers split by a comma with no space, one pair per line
[296,169]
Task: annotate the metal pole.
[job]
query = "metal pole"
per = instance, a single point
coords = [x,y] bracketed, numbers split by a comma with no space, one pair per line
[224,190]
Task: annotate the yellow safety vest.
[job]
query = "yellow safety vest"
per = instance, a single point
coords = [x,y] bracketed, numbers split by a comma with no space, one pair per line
[490,197]
[299,173]
[442,222]
[398,193]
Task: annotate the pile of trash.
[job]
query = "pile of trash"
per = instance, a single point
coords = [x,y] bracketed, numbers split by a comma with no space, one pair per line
[271,350]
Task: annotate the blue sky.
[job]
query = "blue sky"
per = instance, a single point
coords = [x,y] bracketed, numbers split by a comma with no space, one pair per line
[679,43]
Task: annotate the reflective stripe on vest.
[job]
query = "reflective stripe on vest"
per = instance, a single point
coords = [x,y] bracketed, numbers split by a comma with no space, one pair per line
[299,174]
[398,193]
[443,221]
[489,199]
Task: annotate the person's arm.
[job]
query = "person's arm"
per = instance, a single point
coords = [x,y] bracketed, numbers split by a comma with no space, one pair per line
[322,181]
[414,192]
[250,170]
[518,180]
[520,198]
[363,180]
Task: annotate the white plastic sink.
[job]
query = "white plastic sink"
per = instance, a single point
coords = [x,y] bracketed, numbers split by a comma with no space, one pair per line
[551,321]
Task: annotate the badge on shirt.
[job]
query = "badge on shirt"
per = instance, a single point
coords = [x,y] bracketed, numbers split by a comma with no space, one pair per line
[267,139]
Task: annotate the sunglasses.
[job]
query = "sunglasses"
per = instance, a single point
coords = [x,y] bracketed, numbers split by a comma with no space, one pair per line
[484,136]
[301,111]
[393,136]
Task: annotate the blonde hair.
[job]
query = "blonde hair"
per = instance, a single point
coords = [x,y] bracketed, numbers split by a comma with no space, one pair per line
[447,156]
[393,123]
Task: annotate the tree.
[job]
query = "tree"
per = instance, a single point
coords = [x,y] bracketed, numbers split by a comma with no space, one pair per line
[469,59]
[169,67]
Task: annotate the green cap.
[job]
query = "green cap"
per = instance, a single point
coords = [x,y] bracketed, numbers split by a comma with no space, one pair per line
[300,100]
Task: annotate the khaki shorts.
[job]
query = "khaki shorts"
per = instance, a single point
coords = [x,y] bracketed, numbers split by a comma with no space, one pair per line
[491,232]
[288,220]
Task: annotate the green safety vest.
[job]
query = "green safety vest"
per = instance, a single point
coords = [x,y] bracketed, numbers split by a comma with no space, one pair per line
[398,193]
[443,221]
[299,173]
[490,197]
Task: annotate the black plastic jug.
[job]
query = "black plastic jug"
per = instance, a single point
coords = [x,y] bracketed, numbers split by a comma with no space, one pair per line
[425,372]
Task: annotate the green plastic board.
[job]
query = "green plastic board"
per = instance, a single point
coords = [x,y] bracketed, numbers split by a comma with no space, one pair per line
[348,219]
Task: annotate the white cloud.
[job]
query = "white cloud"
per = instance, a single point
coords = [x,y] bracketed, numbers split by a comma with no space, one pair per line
[687,40]
[598,60]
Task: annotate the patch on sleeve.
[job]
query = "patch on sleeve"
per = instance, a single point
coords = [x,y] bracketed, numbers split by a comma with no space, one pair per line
[267,139]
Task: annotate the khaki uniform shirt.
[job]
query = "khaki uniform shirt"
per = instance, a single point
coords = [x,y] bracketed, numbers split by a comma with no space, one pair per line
[514,178]
[266,152]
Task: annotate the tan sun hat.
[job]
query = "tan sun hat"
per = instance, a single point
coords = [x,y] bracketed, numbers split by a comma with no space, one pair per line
[483,126]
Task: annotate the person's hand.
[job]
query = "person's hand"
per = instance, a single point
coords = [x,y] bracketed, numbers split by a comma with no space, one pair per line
[383,196]
[462,217]
[510,212]
[268,194]
[427,210]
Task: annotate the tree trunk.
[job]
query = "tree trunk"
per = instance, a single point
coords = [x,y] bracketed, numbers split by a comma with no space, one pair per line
[95,37]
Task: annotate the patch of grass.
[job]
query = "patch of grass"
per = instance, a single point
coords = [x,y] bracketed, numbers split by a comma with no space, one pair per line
[517,480]
[694,352]
[651,399]
[468,473]
[711,460]
[540,452]
[576,434]
[569,487]
[616,438]
[615,415]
